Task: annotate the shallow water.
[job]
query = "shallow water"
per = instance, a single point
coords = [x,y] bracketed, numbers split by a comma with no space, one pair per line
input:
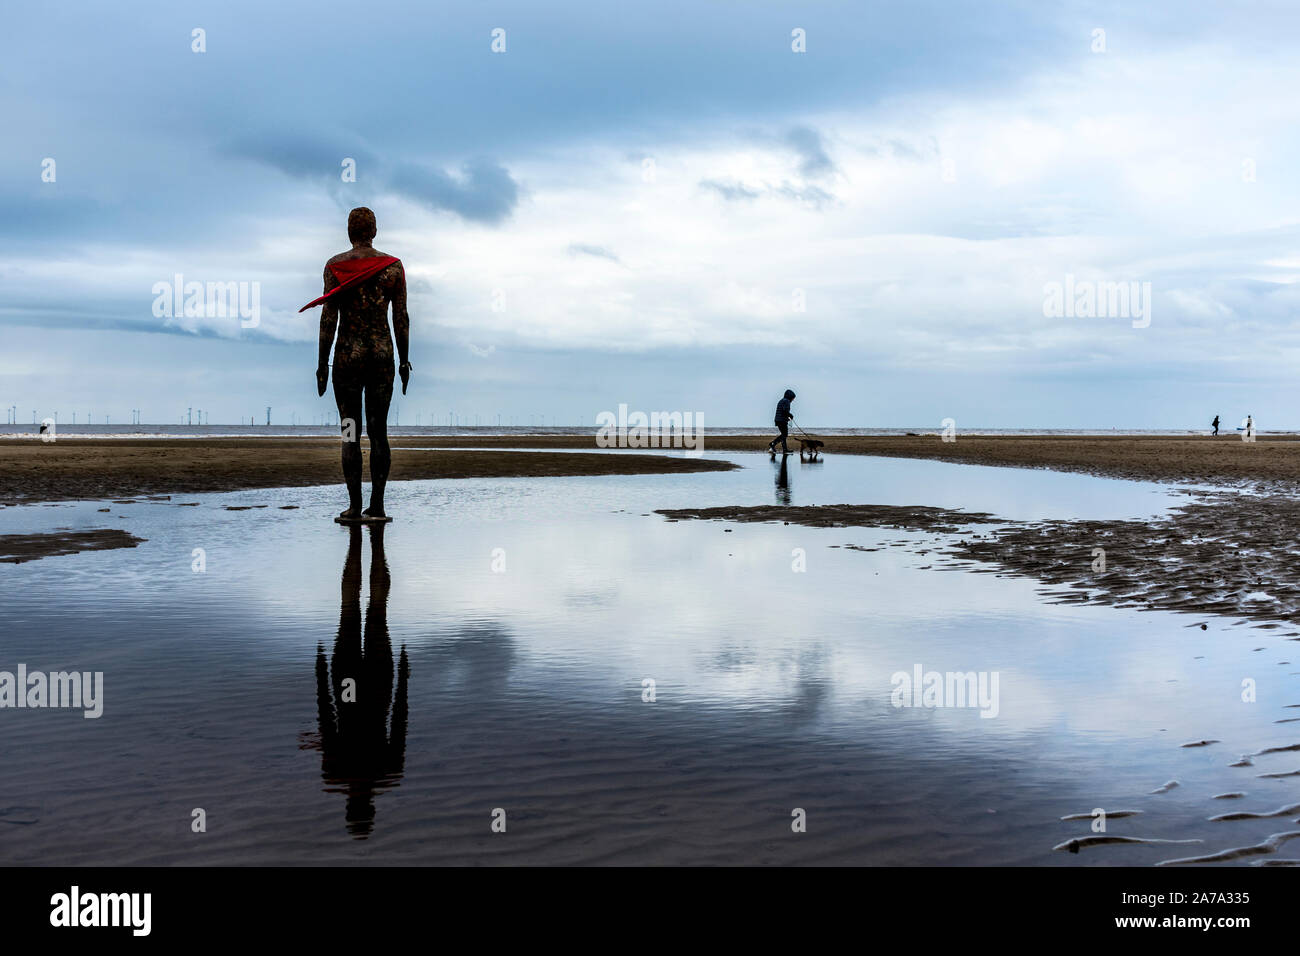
[522,687]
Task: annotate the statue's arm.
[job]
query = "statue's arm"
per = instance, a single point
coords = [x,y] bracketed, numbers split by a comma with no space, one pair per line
[329,322]
[401,321]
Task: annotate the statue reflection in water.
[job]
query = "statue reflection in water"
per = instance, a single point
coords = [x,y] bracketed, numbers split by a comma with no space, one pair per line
[361,753]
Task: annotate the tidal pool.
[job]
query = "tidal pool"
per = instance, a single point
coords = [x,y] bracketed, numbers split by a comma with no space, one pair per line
[325,695]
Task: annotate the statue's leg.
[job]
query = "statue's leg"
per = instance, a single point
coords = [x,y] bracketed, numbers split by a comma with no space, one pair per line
[378,651]
[347,397]
[378,396]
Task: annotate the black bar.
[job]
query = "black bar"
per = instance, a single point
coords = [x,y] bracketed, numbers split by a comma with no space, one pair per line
[952,904]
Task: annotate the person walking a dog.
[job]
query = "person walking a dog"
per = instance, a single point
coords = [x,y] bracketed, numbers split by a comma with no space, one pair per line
[782,421]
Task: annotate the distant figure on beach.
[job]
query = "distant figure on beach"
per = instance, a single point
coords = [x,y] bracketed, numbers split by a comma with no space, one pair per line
[782,422]
[359,285]
[1215,423]
[1250,426]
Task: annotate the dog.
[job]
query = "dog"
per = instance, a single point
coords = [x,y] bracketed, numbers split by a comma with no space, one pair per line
[810,445]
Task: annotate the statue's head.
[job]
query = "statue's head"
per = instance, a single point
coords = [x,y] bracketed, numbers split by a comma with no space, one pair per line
[361,225]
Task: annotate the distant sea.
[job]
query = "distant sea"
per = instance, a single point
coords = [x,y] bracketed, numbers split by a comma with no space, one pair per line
[528,431]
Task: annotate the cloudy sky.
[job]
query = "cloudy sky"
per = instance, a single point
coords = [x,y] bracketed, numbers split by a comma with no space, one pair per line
[663,204]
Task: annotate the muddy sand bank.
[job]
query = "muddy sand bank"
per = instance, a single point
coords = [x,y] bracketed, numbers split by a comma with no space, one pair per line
[88,469]
[1223,553]
[17,548]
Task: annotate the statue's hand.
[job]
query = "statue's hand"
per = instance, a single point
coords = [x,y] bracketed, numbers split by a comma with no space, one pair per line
[322,379]
[405,371]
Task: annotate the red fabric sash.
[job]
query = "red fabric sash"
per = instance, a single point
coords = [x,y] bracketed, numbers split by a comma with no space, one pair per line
[350,272]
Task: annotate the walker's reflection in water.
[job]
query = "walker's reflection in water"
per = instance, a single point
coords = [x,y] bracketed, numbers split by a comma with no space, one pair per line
[783,482]
[354,692]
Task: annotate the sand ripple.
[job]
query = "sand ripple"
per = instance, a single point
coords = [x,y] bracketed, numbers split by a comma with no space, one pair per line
[1269,845]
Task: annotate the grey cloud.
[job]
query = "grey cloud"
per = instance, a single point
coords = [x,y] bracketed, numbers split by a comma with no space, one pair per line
[814,161]
[812,195]
[482,191]
[734,191]
[600,252]
[730,191]
[905,150]
[303,157]
[901,149]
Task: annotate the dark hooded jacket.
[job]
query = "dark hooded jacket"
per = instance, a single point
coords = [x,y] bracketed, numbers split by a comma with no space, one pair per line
[783,409]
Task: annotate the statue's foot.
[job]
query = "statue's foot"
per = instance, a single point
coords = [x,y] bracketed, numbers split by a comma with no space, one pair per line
[375,513]
[351,516]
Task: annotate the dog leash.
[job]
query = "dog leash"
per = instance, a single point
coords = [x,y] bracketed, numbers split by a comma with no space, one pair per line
[801,431]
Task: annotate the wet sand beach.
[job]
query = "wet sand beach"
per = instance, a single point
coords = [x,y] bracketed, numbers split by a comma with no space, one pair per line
[84,469]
